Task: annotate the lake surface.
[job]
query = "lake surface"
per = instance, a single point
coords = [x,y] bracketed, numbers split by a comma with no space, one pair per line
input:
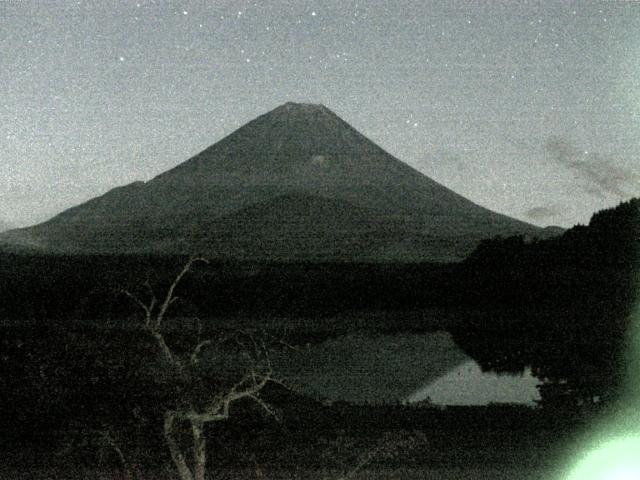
[401,368]
[469,385]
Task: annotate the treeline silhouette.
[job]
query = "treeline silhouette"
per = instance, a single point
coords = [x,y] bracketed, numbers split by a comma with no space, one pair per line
[566,304]
[72,353]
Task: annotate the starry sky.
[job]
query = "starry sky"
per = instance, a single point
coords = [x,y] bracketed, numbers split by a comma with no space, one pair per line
[529,108]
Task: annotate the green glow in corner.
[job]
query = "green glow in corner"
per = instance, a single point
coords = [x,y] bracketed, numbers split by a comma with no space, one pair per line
[615,460]
[612,451]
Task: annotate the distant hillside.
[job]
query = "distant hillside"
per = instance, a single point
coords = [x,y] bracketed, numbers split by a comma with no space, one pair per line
[296,183]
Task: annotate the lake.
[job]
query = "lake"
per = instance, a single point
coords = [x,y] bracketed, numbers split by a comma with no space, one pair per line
[361,368]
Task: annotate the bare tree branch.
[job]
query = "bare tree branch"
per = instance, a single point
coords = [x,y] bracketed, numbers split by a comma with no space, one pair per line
[258,374]
[171,358]
[147,308]
[168,300]
[111,442]
[266,407]
[176,454]
[196,351]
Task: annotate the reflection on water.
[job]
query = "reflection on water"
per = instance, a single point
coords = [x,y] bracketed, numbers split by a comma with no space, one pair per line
[399,368]
[469,385]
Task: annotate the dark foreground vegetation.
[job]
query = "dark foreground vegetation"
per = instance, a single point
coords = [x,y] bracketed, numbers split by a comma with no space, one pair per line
[80,383]
[309,439]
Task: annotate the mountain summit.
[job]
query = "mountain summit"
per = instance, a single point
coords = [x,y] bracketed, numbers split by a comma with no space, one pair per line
[296,184]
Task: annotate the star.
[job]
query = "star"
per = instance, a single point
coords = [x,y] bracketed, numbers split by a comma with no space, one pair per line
[369,57]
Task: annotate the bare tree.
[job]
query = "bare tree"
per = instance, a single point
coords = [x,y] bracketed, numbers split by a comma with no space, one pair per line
[108,442]
[356,459]
[101,440]
[202,398]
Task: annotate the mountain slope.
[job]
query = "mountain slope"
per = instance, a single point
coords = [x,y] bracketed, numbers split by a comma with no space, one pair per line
[242,197]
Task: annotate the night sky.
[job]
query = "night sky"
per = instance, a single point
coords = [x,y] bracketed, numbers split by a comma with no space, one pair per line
[529,108]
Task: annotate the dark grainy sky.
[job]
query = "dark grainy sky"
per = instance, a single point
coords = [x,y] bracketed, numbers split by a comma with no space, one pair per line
[529,108]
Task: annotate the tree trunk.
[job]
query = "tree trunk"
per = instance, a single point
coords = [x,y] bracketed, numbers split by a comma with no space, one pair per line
[176,454]
[128,475]
[199,450]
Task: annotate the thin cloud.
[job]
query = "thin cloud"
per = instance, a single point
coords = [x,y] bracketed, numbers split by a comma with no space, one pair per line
[601,176]
[543,213]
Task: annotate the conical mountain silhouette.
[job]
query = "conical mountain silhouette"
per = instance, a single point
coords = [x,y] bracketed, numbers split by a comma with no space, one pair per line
[297,183]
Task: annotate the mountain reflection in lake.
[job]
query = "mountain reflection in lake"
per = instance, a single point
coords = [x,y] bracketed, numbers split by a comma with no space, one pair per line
[398,368]
[469,385]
